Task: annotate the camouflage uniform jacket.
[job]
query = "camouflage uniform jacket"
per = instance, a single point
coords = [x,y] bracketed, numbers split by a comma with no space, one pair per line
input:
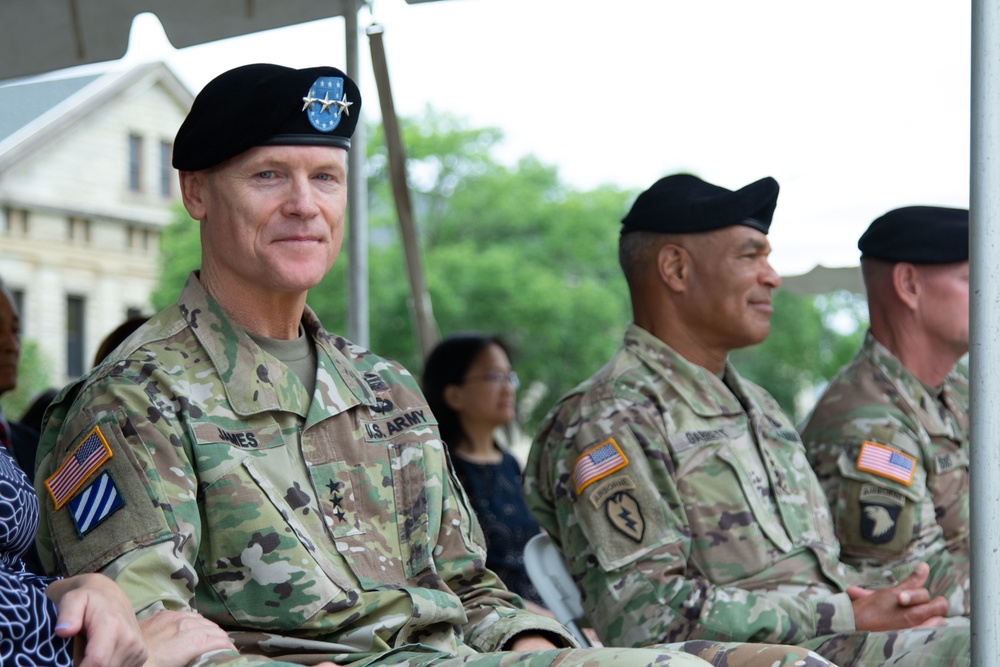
[917,507]
[331,524]
[686,510]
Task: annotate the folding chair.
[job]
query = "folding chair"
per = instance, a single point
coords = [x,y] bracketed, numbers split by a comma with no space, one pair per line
[548,572]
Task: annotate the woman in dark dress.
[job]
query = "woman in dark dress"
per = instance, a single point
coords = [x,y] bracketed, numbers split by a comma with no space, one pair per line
[470,386]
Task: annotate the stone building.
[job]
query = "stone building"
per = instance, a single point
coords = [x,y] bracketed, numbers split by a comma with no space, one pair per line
[86,187]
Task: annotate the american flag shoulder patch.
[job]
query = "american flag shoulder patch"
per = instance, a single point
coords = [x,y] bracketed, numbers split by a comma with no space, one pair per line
[88,456]
[886,462]
[95,503]
[596,463]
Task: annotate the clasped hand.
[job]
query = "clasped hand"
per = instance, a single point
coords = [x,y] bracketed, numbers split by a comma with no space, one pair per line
[904,605]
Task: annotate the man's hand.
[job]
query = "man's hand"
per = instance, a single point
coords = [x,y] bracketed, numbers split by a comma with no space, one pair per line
[95,612]
[177,638]
[904,605]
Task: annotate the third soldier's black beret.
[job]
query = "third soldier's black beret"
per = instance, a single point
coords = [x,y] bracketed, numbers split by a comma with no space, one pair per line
[918,235]
[684,203]
[267,105]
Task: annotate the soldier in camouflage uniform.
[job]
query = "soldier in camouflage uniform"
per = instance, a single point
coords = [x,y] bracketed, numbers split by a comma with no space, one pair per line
[889,438]
[679,493]
[233,458]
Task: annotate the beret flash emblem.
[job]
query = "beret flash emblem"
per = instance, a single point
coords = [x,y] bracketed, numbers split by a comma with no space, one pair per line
[326,102]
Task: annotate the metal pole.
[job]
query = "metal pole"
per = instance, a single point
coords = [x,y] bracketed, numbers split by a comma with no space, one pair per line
[984,357]
[357,200]
[427,330]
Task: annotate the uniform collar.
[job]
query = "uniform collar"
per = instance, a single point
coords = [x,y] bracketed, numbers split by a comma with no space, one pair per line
[923,404]
[705,393]
[254,381]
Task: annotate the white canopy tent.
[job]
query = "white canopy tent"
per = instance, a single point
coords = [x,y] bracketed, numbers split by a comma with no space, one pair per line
[39,36]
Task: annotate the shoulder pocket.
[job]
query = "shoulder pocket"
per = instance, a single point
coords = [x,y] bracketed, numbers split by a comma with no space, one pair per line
[622,513]
[253,547]
[106,503]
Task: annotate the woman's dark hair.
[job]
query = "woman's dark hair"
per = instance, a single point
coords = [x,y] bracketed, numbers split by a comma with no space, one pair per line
[447,364]
[118,336]
[33,415]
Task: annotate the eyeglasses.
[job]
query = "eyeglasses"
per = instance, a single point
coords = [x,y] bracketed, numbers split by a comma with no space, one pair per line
[496,377]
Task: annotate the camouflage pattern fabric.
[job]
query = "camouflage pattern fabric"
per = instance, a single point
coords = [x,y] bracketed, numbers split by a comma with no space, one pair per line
[688,654]
[686,509]
[193,469]
[896,516]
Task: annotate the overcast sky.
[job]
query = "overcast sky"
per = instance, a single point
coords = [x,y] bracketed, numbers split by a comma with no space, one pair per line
[855,107]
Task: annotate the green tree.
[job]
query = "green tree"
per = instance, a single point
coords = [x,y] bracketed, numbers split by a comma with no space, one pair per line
[510,250]
[811,338]
[34,375]
[180,253]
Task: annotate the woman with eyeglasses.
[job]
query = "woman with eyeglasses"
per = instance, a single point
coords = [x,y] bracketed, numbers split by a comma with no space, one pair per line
[470,387]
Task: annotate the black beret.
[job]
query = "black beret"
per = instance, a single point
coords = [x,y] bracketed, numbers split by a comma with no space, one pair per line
[267,105]
[919,235]
[684,203]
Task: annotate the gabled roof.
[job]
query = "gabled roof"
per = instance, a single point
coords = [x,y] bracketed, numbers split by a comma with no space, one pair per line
[37,110]
[22,102]
[822,279]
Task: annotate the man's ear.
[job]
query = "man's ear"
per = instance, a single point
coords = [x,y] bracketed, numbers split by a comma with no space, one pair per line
[193,193]
[673,263]
[906,283]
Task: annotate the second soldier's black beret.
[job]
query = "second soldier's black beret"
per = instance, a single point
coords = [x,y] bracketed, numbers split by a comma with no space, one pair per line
[267,105]
[918,235]
[683,203]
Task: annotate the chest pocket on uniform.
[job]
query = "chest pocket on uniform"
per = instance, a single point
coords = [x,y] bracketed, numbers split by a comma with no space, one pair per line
[254,551]
[377,513]
[724,488]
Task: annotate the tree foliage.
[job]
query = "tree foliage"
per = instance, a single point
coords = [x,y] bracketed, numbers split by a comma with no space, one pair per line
[811,338]
[508,249]
[34,375]
[180,253]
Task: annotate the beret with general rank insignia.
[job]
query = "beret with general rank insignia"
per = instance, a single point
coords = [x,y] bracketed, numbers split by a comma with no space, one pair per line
[267,105]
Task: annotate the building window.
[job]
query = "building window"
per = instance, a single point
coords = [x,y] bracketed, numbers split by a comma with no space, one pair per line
[78,229]
[138,238]
[19,305]
[75,311]
[16,221]
[135,163]
[166,172]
